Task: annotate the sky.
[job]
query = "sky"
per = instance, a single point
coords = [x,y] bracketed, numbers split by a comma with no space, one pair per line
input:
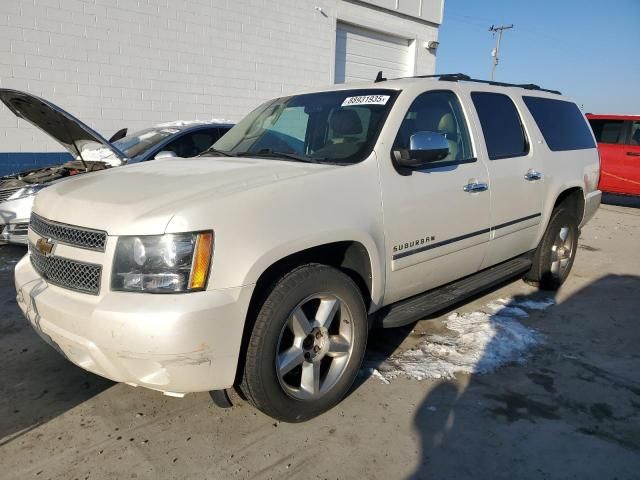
[587,49]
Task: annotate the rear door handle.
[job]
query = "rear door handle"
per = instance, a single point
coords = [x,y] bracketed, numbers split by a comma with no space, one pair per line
[633,154]
[475,187]
[532,176]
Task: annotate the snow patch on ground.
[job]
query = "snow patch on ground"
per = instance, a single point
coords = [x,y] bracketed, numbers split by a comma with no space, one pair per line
[478,342]
[536,305]
[372,372]
[506,310]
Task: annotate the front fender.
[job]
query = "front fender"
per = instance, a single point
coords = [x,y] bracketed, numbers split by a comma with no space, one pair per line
[284,250]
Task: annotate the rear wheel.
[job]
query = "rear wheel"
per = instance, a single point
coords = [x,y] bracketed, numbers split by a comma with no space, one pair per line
[556,252]
[307,344]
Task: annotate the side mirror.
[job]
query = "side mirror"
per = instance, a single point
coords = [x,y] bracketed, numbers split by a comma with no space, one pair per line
[424,147]
[165,154]
[118,135]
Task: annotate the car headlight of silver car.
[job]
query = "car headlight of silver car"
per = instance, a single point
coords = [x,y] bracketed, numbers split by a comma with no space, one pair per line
[170,263]
[26,192]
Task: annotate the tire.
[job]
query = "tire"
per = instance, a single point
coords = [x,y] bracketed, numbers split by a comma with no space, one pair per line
[549,270]
[307,344]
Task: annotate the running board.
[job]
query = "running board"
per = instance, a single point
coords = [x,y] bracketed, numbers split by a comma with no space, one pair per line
[417,307]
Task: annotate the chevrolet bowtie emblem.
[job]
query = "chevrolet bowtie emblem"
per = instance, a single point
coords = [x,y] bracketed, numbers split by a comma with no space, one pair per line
[45,246]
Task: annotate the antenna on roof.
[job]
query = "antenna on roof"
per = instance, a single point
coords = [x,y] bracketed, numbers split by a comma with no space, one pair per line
[379,77]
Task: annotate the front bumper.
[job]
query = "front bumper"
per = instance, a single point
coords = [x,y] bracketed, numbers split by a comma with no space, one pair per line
[14,232]
[14,215]
[591,204]
[172,343]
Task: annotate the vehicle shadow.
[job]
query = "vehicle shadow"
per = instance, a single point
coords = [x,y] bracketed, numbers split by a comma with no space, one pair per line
[36,382]
[572,411]
[621,200]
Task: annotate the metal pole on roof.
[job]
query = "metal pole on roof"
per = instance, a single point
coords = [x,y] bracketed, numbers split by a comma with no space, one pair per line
[496,51]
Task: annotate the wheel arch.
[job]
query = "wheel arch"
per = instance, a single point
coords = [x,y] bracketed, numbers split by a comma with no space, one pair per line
[573,194]
[573,197]
[349,256]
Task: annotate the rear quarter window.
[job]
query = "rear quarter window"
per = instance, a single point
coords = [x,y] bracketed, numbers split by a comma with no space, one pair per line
[561,123]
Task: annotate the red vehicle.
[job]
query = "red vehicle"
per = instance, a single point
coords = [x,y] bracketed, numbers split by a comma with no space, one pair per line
[618,139]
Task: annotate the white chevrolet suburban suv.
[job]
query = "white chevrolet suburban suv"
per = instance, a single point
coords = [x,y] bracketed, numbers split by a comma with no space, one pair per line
[262,264]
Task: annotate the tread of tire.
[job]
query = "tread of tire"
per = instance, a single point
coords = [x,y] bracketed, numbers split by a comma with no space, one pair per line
[533,277]
[278,291]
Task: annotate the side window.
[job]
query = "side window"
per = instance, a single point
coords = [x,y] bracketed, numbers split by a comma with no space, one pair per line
[561,123]
[437,111]
[634,139]
[205,138]
[222,131]
[501,125]
[192,144]
[607,131]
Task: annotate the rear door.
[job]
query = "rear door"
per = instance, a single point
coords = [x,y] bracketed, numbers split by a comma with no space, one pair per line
[610,134]
[630,168]
[516,175]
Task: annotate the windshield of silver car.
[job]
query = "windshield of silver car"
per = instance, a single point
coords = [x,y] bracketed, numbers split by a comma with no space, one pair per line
[139,142]
[328,127]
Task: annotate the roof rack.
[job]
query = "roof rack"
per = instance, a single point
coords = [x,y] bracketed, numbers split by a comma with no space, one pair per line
[461,77]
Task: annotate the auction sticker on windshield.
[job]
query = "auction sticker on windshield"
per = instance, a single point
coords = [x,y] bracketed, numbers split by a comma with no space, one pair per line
[366,100]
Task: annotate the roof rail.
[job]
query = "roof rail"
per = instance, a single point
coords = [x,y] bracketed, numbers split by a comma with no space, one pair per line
[461,77]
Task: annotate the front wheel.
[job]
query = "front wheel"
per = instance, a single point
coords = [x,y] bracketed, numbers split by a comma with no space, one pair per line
[556,252]
[307,344]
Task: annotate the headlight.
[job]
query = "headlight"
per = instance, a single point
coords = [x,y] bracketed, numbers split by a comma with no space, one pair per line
[171,263]
[26,192]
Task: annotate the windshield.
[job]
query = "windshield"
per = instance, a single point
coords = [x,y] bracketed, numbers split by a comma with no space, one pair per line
[139,142]
[333,127]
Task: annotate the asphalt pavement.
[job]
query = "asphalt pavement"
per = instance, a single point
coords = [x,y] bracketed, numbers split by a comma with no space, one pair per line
[569,408]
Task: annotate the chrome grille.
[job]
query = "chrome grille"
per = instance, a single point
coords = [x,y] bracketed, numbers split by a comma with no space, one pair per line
[69,235]
[20,229]
[6,193]
[65,273]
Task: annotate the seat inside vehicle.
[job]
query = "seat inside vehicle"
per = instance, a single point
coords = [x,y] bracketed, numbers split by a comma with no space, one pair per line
[345,135]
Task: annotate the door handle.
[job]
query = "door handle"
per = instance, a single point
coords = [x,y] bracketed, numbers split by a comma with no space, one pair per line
[532,176]
[475,187]
[633,154]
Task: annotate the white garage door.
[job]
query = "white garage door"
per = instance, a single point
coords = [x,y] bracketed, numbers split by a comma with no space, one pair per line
[362,53]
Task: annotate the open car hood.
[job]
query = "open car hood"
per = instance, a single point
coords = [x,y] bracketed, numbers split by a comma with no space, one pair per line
[84,143]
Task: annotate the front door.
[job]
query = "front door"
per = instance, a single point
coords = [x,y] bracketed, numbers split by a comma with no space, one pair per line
[436,229]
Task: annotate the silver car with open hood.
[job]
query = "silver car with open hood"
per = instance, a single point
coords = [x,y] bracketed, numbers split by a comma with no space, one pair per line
[90,152]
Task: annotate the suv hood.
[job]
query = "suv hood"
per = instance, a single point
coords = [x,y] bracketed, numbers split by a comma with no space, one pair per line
[141,199]
[84,143]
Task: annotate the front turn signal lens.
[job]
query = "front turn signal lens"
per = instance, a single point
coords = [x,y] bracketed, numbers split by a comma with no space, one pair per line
[201,261]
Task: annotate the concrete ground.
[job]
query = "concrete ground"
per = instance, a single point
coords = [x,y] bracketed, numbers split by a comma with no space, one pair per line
[571,411]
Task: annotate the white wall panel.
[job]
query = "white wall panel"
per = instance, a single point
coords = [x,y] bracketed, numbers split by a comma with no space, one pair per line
[132,63]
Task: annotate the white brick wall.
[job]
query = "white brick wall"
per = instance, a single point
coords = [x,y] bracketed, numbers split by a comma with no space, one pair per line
[133,63]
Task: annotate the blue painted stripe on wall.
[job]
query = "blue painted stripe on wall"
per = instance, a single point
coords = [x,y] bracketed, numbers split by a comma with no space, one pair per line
[14,162]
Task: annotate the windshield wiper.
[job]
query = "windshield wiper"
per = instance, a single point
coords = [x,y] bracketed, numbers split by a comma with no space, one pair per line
[213,150]
[268,153]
